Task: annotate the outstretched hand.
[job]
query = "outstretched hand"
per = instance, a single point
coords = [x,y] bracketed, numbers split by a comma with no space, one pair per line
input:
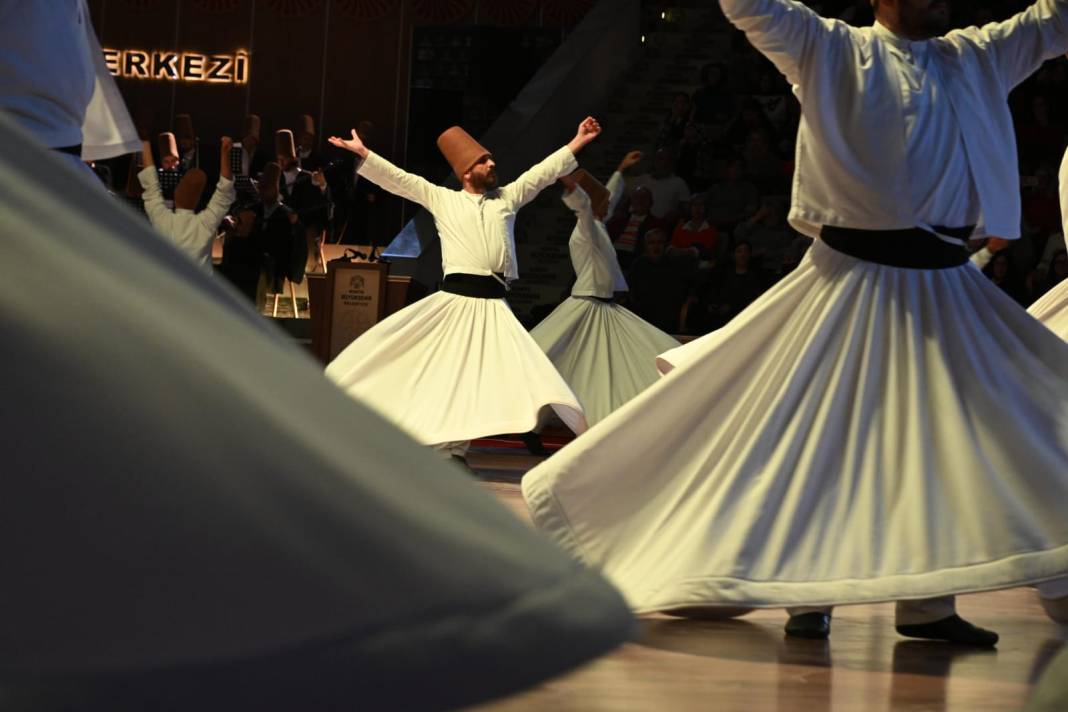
[588,130]
[629,160]
[354,144]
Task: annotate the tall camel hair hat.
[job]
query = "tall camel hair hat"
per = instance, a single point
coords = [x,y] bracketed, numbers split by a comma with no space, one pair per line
[460,150]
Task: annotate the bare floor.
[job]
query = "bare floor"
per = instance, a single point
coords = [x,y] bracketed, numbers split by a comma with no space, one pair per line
[747,664]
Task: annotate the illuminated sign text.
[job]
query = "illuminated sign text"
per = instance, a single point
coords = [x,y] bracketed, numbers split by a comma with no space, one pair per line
[178,66]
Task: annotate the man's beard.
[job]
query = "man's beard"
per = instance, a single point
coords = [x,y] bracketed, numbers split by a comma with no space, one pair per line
[484,182]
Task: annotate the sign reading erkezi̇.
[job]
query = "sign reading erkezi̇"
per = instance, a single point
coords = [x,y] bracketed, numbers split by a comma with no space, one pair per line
[178,66]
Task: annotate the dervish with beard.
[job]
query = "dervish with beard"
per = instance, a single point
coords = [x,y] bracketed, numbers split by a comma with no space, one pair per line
[884,424]
[458,365]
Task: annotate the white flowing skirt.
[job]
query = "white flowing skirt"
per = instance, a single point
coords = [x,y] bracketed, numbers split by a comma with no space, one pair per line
[606,353]
[1052,309]
[860,433]
[453,368]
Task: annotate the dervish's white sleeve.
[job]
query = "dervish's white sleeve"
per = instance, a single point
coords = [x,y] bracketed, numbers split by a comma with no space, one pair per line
[1020,44]
[786,32]
[107,130]
[406,185]
[579,202]
[1062,188]
[158,213]
[539,177]
[220,202]
[981,257]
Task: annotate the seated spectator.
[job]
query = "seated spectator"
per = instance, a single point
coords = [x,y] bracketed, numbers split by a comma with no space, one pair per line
[1041,202]
[767,233]
[1057,273]
[669,191]
[658,285]
[695,235]
[628,229]
[751,117]
[733,199]
[694,158]
[676,120]
[1002,272]
[766,167]
[713,102]
[740,285]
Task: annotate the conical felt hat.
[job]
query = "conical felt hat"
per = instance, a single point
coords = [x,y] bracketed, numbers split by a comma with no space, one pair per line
[168,146]
[284,144]
[460,150]
[190,188]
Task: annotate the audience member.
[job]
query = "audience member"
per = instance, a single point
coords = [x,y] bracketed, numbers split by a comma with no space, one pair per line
[629,227]
[696,236]
[767,234]
[669,191]
[734,198]
[657,285]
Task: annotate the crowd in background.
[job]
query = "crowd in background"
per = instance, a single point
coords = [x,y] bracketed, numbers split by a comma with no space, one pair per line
[704,232]
[701,234]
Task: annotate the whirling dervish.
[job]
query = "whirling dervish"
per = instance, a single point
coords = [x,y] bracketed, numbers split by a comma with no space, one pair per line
[605,352]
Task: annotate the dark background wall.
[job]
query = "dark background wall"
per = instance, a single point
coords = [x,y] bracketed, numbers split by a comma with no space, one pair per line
[342,61]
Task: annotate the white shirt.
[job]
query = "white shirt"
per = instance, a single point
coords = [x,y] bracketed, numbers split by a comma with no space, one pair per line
[597,272]
[477,231]
[869,140]
[54,82]
[192,233]
[668,193]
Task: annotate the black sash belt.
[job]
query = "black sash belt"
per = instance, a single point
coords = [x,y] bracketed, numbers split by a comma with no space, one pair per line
[474,285]
[72,150]
[914,248]
[606,300]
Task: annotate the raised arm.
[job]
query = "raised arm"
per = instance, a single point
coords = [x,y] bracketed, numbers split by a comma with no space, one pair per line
[1020,44]
[157,211]
[617,186]
[559,163]
[786,32]
[226,168]
[579,202]
[388,176]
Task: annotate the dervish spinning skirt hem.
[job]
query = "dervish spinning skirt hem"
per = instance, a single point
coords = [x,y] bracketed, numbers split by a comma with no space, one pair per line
[605,352]
[1052,309]
[452,368]
[860,433]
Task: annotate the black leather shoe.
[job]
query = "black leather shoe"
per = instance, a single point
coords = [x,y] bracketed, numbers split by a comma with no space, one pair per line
[814,626]
[953,629]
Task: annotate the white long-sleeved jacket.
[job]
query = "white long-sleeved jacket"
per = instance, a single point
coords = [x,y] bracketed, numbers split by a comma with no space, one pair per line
[192,233]
[477,231]
[597,271]
[852,149]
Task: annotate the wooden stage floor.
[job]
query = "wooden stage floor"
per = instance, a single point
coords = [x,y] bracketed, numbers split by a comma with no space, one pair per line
[747,664]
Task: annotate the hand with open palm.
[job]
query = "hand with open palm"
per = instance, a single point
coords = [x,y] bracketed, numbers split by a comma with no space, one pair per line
[354,144]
